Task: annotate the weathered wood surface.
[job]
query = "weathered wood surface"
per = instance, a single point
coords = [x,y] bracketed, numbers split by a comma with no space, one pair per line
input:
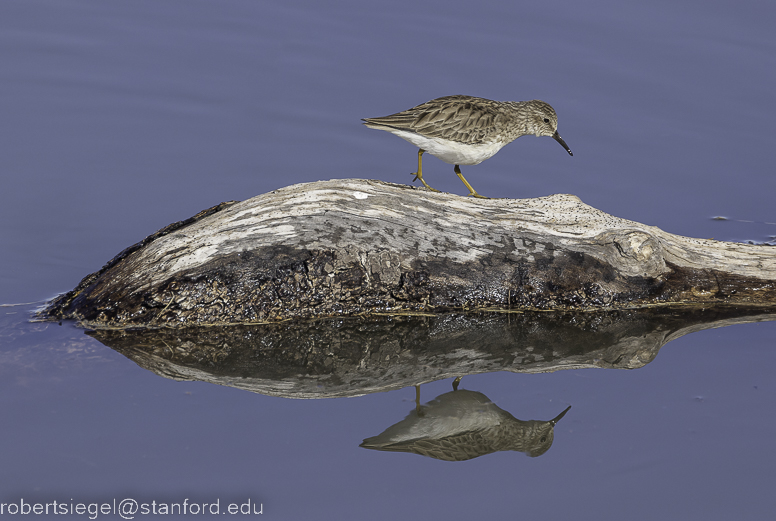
[336,357]
[351,247]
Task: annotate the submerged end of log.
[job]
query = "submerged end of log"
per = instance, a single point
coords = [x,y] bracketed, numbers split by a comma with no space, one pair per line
[354,247]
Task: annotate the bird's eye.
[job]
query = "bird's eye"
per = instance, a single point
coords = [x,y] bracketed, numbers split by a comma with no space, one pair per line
[544,438]
[546,120]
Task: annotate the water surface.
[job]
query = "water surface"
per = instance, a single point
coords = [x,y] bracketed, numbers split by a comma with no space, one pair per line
[122,117]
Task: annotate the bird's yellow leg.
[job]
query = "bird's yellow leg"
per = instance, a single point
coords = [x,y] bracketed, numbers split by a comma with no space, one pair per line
[472,191]
[418,409]
[456,382]
[419,173]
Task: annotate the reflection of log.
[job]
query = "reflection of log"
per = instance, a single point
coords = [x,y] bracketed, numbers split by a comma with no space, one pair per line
[349,357]
[352,247]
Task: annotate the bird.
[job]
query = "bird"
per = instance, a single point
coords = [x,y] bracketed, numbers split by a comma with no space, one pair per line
[467,130]
[461,425]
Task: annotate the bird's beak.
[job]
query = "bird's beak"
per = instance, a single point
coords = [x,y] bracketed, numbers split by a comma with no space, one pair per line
[561,415]
[559,139]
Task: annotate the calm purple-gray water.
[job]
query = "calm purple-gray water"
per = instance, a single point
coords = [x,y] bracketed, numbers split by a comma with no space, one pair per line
[118,118]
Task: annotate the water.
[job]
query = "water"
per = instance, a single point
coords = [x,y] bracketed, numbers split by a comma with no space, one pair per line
[120,118]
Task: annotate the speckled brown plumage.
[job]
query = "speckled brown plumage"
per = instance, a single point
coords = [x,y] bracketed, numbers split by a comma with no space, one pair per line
[471,120]
[466,130]
[462,425]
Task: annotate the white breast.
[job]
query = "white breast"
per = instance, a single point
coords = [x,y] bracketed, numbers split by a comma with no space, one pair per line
[449,151]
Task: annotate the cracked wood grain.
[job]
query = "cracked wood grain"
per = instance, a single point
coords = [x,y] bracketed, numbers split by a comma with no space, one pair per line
[354,247]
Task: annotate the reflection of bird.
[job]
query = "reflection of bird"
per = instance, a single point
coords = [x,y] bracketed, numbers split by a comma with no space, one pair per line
[461,425]
[464,130]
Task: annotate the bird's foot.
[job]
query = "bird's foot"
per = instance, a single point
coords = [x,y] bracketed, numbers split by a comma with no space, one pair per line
[420,176]
[478,196]
[472,191]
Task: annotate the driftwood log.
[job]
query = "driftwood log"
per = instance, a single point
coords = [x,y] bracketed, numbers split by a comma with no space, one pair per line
[356,247]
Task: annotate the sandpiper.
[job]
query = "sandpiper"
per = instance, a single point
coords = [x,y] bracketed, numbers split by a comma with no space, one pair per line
[462,425]
[465,130]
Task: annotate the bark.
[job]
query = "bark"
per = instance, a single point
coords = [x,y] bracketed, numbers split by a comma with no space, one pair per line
[354,247]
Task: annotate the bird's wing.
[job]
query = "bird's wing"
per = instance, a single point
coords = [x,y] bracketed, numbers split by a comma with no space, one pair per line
[450,448]
[460,118]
